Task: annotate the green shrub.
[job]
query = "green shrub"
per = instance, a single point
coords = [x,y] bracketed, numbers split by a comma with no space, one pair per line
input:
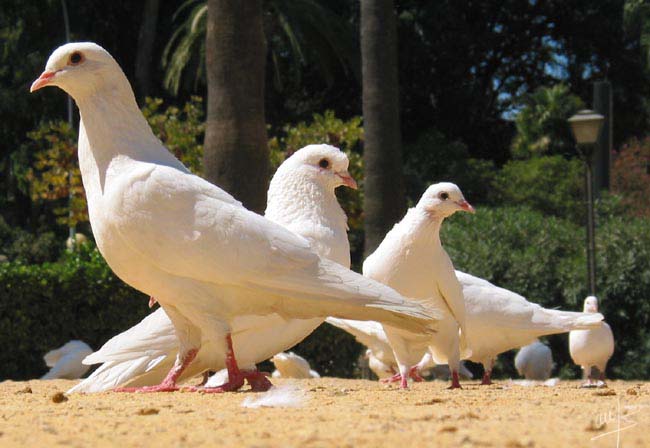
[44,306]
[21,246]
[550,184]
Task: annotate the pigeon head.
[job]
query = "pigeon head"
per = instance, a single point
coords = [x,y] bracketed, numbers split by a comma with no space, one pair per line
[444,199]
[324,164]
[591,305]
[81,68]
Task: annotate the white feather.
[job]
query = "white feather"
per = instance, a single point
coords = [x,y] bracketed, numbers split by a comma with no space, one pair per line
[285,396]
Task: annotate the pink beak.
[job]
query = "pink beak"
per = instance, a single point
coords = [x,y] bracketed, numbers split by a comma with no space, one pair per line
[466,206]
[42,81]
[347,180]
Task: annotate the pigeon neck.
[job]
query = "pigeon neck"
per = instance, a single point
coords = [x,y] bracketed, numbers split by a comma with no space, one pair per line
[424,226]
[293,199]
[115,126]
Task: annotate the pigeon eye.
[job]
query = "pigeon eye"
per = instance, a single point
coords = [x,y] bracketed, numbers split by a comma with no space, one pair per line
[324,163]
[444,196]
[76,58]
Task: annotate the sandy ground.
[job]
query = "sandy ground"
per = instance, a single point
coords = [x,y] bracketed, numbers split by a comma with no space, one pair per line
[334,412]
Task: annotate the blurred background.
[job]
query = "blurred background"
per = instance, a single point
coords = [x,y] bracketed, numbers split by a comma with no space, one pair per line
[477,93]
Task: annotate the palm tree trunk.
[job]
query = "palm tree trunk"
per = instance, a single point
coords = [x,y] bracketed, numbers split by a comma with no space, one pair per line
[236,154]
[144,55]
[382,154]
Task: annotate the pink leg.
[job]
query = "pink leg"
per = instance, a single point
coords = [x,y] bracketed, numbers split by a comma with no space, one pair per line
[455,383]
[414,374]
[169,383]
[258,381]
[392,379]
[487,378]
[152,301]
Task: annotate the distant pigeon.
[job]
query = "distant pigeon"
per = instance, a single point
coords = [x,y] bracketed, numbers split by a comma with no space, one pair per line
[66,361]
[592,348]
[290,365]
[534,361]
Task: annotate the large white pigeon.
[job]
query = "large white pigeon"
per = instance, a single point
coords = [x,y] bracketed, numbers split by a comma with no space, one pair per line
[302,198]
[534,361]
[290,365]
[66,361]
[594,347]
[411,259]
[174,236]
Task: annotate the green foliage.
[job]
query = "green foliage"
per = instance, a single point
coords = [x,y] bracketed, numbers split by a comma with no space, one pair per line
[44,306]
[54,148]
[21,246]
[542,127]
[180,130]
[296,31]
[433,158]
[631,176]
[550,184]
[543,258]
[54,175]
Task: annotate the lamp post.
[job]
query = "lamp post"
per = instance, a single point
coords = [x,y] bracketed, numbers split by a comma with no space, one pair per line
[586,126]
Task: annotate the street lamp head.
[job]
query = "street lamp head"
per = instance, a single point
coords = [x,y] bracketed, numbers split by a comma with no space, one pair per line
[586,126]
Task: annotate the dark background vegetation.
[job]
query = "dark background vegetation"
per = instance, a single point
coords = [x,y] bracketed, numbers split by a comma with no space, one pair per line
[485,88]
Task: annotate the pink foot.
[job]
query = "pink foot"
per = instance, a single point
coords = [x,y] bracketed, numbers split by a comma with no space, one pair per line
[414,374]
[455,383]
[392,379]
[487,378]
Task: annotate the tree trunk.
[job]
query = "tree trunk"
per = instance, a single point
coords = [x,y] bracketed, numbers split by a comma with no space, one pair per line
[236,155]
[382,154]
[144,56]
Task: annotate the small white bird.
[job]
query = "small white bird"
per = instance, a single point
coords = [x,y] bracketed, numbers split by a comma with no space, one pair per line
[534,361]
[411,259]
[290,365]
[66,361]
[589,348]
[176,237]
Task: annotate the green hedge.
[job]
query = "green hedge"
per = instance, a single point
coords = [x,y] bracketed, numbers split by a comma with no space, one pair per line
[44,306]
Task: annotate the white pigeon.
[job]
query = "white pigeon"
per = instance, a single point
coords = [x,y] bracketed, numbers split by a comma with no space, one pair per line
[534,361]
[66,361]
[302,198]
[176,237]
[290,365]
[411,259]
[499,320]
[594,347]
